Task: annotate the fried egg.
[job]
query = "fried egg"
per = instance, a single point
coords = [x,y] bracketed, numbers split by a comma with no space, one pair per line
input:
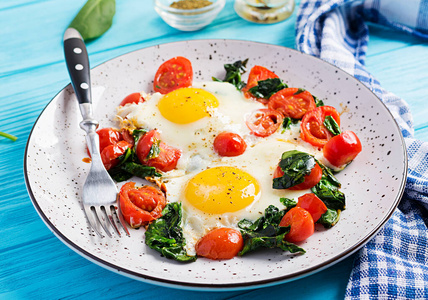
[215,191]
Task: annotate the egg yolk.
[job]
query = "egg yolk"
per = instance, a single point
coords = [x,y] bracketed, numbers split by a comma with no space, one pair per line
[186,105]
[222,189]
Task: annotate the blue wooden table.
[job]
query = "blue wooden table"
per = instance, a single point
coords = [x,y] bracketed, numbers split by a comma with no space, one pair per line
[33,262]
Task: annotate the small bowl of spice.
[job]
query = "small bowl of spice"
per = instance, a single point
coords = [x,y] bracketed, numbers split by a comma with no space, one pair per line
[188,15]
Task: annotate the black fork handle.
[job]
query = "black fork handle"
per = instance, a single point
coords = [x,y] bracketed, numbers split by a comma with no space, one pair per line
[76,57]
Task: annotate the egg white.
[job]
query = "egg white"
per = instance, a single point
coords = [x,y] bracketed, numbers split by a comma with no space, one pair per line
[196,142]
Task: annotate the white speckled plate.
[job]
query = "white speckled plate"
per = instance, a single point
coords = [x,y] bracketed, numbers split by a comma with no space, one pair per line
[373,183]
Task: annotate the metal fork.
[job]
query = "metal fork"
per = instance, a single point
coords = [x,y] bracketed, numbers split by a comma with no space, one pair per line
[100,196]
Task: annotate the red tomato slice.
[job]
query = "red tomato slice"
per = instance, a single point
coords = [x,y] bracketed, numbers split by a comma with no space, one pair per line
[257,74]
[301,225]
[110,154]
[310,180]
[132,98]
[167,158]
[291,105]
[220,243]
[312,129]
[127,136]
[263,122]
[229,144]
[313,205]
[342,149]
[140,205]
[173,74]
[108,136]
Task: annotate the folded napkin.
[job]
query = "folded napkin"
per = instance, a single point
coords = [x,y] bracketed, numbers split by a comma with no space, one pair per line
[394,264]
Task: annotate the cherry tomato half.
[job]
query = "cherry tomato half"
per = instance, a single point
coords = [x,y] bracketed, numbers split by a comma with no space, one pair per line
[110,154]
[140,205]
[220,243]
[301,224]
[342,149]
[313,205]
[310,180]
[229,144]
[108,136]
[257,74]
[132,98]
[173,74]
[167,158]
[312,129]
[291,105]
[263,122]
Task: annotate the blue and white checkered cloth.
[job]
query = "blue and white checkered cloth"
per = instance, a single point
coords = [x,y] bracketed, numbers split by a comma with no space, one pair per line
[394,264]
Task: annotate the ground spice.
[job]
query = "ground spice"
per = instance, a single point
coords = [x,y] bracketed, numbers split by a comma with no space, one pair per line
[190,4]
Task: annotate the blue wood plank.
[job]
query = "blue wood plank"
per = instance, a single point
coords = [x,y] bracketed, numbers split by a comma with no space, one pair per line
[33,262]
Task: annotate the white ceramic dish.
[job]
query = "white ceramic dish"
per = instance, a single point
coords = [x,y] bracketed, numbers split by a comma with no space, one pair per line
[373,184]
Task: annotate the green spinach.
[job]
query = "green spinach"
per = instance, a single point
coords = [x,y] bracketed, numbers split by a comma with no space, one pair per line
[288,203]
[331,125]
[265,232]
[329,218]
[327,189]
[166,236]
[266,88]
[94,18]
[295,165]
[234,73]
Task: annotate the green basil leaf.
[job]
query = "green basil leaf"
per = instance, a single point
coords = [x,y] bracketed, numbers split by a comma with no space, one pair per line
[295,165]
[165,234]
[266,88]
[94,18]
[331,125]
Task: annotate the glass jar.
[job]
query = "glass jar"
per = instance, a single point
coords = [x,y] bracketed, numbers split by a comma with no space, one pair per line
[264,11]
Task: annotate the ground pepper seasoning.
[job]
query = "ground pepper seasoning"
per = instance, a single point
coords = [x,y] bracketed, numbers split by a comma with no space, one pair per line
[190,4]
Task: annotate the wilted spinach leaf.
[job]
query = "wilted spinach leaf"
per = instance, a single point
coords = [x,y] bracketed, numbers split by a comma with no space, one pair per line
[266,88]
[329,218]
[166,236]
[331,125]
[295,165]
[234,72]
[289,203]
[265,232]
[318,102]
[328,190]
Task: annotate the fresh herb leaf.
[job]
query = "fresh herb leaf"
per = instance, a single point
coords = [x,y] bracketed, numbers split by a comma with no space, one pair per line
[234,73]
[154,150]
[266,88]
[331,125]
[289,203]
[8,136]
[318,102]
[265,232]
[140,170]
[295,165]
[94,18]
[118,174]
[286,123]
[137,134]
[329,218]
[299,90]
[327,189]
[166,236]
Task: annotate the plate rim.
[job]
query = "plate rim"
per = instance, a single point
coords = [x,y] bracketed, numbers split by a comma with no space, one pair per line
[217,286]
